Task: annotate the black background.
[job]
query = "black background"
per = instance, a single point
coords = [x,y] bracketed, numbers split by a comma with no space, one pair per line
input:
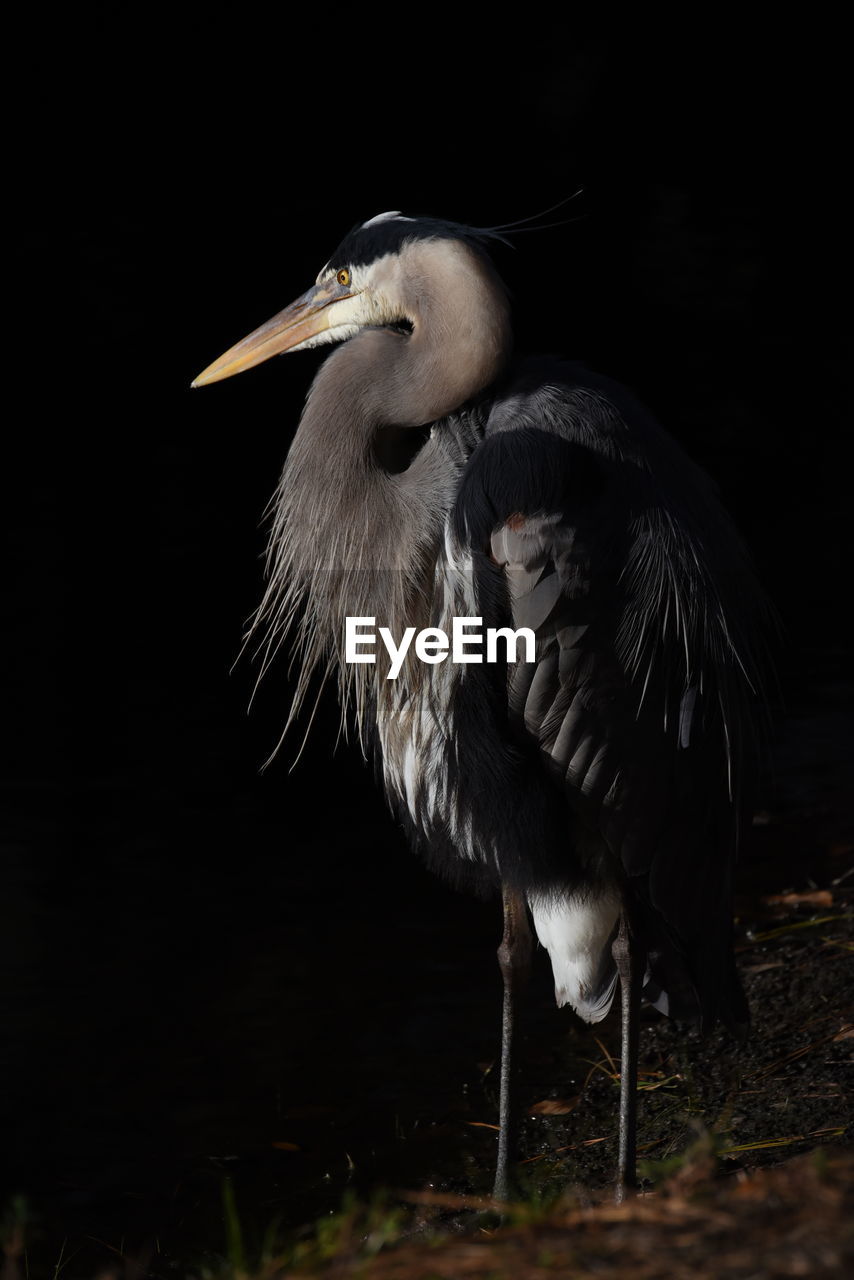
[188,939]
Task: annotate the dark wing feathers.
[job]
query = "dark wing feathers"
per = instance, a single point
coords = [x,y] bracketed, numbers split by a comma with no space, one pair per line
[614,550]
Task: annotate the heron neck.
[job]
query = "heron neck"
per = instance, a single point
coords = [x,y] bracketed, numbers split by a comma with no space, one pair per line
[351,538]
[460,342]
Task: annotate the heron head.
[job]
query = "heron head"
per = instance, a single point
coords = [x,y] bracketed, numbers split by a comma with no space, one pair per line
[382,276]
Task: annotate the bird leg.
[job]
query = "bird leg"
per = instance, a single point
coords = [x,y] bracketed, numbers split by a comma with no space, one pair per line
[628,958]
[514,959]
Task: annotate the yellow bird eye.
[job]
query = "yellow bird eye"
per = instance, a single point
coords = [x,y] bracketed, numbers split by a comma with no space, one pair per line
[343,276]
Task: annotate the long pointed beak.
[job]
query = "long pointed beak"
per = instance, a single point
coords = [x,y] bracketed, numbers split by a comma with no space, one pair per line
[303,319]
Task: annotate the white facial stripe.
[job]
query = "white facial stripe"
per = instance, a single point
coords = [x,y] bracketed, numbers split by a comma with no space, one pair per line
[369,303]
[385,291]
[355,311]
[338,333]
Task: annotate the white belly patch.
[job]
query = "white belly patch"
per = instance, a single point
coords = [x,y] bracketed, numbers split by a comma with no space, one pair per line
[577,932]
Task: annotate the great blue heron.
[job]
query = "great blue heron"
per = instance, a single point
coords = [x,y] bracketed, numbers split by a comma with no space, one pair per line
[600,784]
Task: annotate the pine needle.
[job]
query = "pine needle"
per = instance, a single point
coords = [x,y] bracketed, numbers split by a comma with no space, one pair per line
[800,924]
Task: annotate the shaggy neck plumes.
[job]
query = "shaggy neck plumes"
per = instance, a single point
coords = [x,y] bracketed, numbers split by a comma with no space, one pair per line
[349,537]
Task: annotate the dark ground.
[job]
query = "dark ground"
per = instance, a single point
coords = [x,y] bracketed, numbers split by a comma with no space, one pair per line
[209,973]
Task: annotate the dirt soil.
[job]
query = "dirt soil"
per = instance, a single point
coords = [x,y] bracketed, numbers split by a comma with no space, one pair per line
[745,1153]
[793,1220]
